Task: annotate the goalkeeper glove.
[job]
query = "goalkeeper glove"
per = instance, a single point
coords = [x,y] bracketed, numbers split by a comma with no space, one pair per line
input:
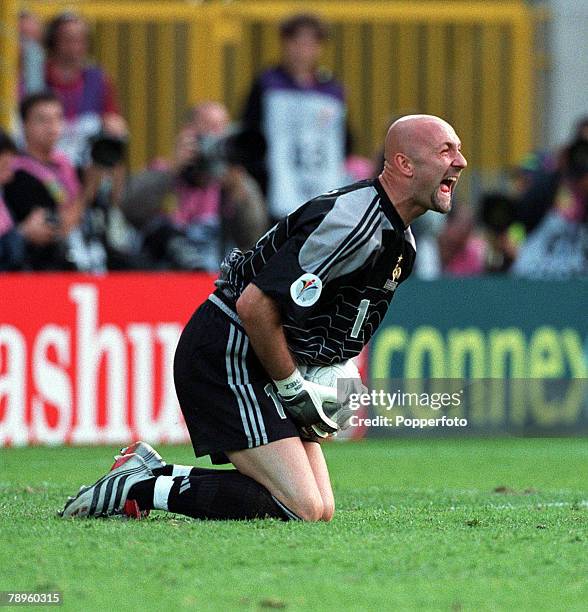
[341,412]
[308,404]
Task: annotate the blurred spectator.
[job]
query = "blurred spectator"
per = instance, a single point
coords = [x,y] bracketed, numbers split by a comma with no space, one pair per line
[105,181]
[461,249]
[46,185]
[357,167]
[558,243]
[30,26]
[162,244]
[581,130]
[197,189]
[12,236]
[209,118]
[7,158]
[540,175]
[531,170]
[301,112]
[503,235]
[31,54]
[87,94]
[217,204]
[426,229]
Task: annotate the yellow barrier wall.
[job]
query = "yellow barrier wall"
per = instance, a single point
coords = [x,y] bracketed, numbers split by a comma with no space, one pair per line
[8,61]
[469,62]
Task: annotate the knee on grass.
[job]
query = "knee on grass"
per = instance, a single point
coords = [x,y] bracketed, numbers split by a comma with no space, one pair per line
[309,509]
[313,508]
[328,510]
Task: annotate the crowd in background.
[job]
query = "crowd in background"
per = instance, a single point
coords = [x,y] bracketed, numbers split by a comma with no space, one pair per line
[68,201]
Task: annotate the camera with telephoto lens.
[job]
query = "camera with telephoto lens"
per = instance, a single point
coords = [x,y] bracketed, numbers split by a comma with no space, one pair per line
[107,150]
[214,155]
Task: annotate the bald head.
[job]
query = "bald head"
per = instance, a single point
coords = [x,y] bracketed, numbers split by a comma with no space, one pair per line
[423,161]
[411,134]
[210,118]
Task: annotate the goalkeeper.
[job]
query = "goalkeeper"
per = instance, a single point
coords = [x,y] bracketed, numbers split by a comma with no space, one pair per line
[312,291]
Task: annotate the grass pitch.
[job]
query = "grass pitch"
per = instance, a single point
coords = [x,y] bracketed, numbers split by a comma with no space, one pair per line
[420,525]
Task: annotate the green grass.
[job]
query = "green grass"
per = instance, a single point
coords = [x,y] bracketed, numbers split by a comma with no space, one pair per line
[418,526]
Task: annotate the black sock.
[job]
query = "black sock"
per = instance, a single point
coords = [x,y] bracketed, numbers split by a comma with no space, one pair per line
[143,491]
[224,495]
[220,495]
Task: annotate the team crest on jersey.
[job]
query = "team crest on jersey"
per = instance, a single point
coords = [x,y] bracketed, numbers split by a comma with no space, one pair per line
[306,290]
[392,283]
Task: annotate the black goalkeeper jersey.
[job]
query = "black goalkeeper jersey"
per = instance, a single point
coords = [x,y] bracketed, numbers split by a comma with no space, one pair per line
[332,266]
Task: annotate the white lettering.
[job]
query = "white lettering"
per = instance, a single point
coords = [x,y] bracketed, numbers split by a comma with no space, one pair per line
[53,385]
[13,427]
[140,335]
[93,344]
[171,420]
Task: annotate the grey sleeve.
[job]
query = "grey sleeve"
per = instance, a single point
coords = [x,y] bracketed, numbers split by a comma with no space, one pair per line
[345,239]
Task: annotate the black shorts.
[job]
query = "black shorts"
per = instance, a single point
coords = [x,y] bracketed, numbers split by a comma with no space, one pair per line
[227,398]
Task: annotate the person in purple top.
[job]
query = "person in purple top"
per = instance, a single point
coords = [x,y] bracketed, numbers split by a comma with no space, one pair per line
[300,110]
[84,89]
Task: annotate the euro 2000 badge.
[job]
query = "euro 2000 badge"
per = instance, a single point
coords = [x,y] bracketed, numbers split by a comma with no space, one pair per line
[306,290]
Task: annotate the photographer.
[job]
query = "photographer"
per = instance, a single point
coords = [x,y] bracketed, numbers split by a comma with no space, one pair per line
[557,246]
[105,180]
[33,228]
[45,193]
[217,204]
[461,248]
[86,92]
[502,233]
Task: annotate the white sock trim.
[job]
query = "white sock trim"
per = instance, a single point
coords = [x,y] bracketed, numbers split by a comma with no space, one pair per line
[181,470]
[163,486]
